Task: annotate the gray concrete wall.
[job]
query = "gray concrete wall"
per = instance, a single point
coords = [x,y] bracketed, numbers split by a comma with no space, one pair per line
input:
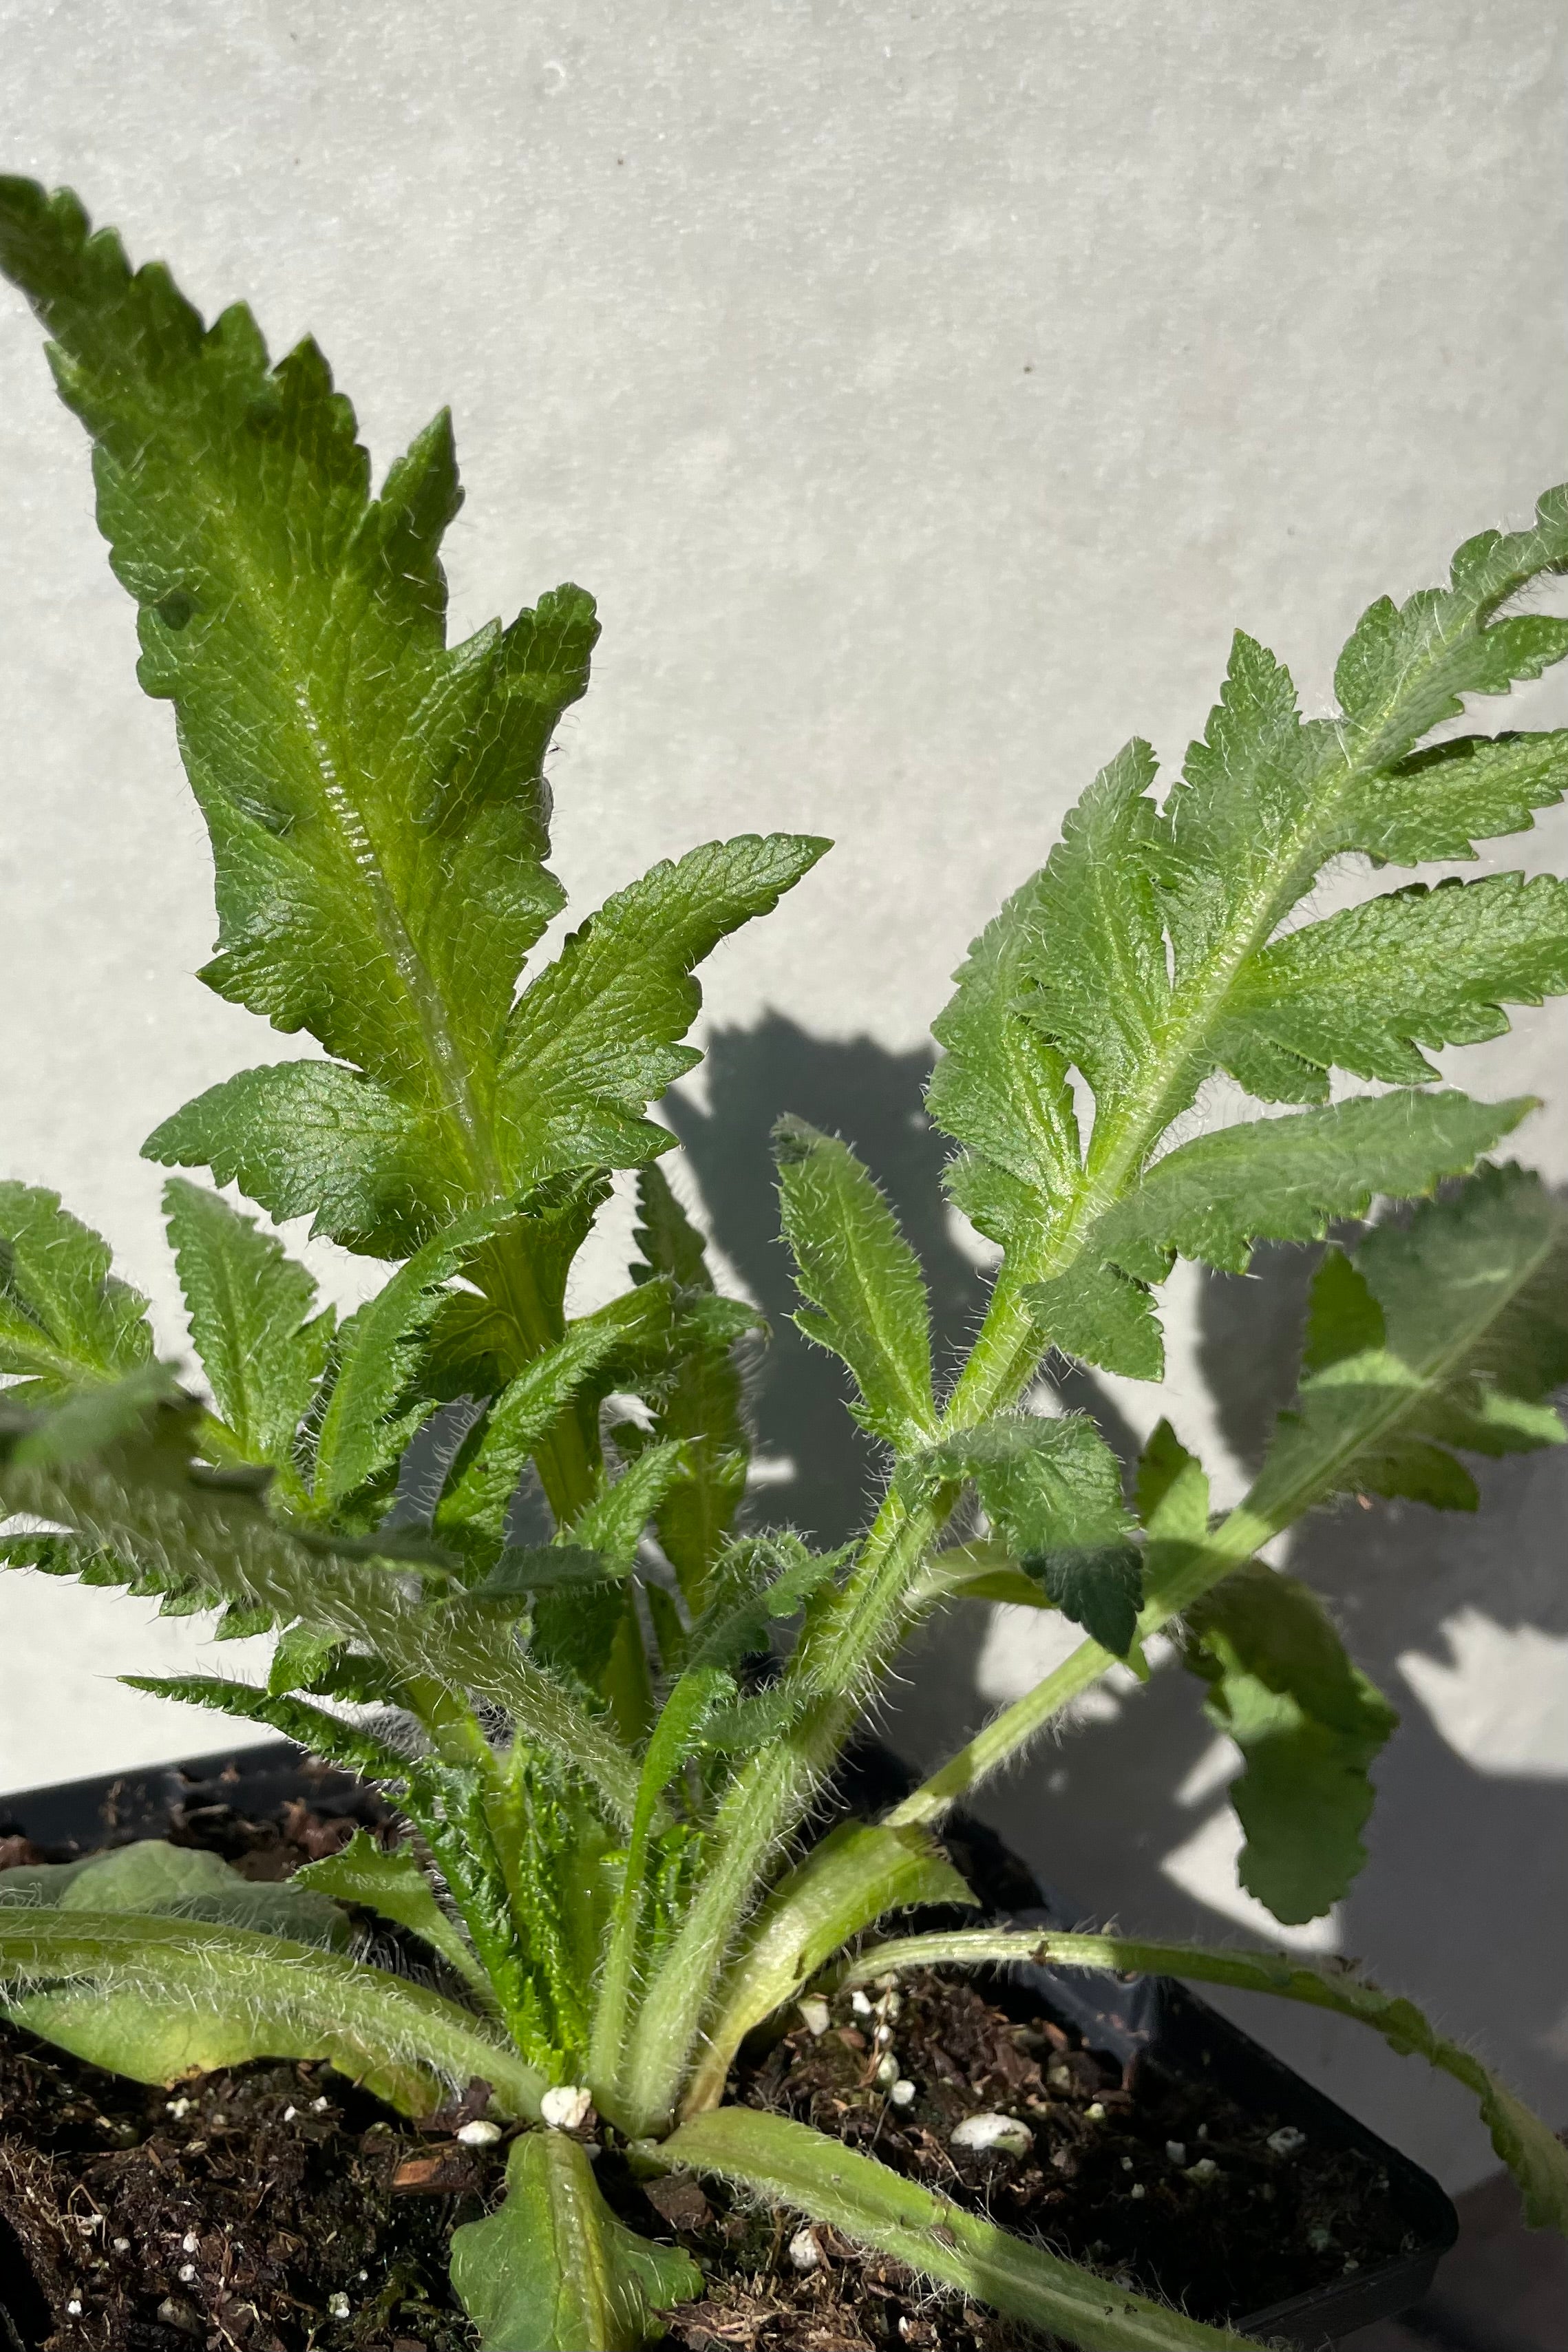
[925,392]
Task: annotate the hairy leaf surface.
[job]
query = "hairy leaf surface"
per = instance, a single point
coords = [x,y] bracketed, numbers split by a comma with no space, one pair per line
[155,1998]
[1052,1490]
[262,1347]
[551,2269]
[786,2163]
[64,1318]
[1363,990]
[865,1296]
[1288,1179]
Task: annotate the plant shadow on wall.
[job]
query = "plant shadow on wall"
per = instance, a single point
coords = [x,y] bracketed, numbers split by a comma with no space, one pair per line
[1100,1819]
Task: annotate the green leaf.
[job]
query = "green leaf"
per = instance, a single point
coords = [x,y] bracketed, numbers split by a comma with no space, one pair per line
[1289,1179]
[156,1998]
[788,2163]
[696,1394]
[759,1582]
[1245,796]
[580,1633]
[851,1878]
[314,1729]
[1364,990]
[446,1802]
[1405,666]
[1307,1723]
[64,1318]
[1440,802]
[1052,1490]
[368,1421]
[667,1241]
[594,1038]
[1133,955]
[1447,1331]
[477,1343]
[132,1494]
[864,1298]
[393,1886]
[250,1309]
[999,1089]
[376,799]
[1101,984]
[172,1882]
[316,1140]
[1536,2156]
[551,2269]
[1172,1504]
[613,1523]
[524,1569]
[1102,1317]
[486,1469]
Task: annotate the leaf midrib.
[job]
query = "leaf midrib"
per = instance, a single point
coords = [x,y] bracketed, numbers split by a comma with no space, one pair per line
[1434,1378]
[1198,1005]
[453,1081]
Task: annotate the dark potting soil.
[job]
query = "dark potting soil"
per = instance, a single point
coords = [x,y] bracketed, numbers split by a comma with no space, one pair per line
[274,2208]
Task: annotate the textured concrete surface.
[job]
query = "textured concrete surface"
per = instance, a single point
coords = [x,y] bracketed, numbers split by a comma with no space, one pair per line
[926,392]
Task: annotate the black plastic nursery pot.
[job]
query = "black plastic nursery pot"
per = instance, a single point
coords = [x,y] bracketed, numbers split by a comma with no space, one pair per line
[1143,2018]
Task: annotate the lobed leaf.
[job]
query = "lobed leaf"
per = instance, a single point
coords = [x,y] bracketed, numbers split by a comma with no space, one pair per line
[1307,1723]
[999,1089]
[130,1493]
[1052,1491]
[484,1474]
[320,1140]
[1440,802]
[1363,990]
[595,1037]
[262,1349]
[1289,1179]
[65,1319]
[1447,1331]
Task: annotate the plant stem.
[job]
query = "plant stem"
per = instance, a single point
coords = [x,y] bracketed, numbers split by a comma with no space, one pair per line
[1009,1733]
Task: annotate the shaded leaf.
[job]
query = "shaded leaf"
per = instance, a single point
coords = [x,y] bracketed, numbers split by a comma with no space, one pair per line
[393,1885]
[1447,1331]
[1052,1490]
[1307,1723]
